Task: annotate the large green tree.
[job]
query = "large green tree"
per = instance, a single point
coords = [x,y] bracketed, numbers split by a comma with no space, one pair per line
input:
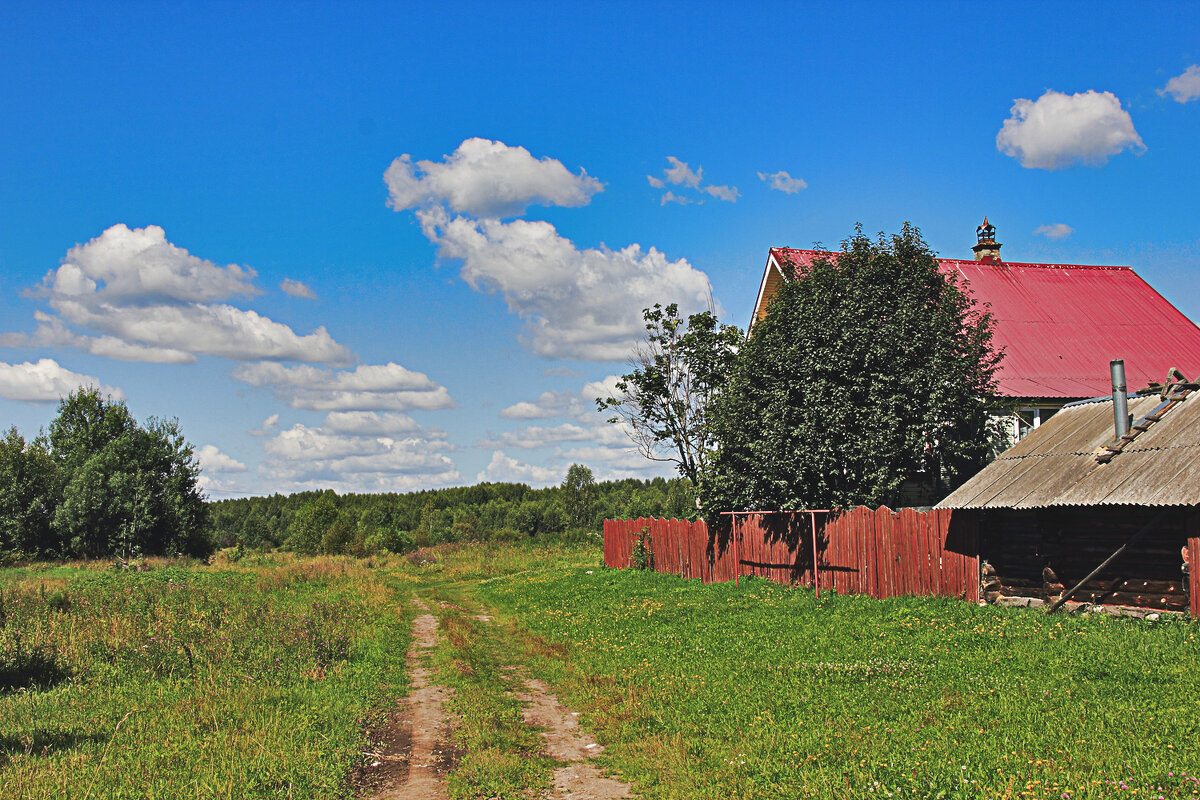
[27,498]
[137,494]
[872,367]
[677,375]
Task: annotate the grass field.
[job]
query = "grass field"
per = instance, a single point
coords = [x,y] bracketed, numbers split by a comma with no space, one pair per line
[243,681]
[763,691]
[257,679]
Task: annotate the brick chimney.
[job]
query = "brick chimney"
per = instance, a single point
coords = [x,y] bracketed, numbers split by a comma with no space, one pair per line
[988,249]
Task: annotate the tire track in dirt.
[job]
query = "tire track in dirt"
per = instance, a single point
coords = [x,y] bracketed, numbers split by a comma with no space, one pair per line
[415,754]
[578,778]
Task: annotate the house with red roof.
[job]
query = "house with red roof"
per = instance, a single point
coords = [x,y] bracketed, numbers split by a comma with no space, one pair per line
[1059,325]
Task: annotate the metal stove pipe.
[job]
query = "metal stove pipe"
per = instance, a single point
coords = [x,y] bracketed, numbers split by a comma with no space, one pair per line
[1120,398]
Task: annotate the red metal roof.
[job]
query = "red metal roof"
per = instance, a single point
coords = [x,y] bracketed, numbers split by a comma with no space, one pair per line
[1060,324]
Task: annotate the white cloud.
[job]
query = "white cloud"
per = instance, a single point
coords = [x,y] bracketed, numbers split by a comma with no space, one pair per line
[681,175]
[578,405]
[379,387]
[1059,129]
[1184,87]
[46,382]
[503,469]
[547,405]
[583,304]
[371,423]
[729,194]
[487,179]
[137,297]
[297,289]
[123,264]
[533,437]
[269,426]
[303,457]
[783,182]
[213,460]
[1058,230]
[671,197]
[598,443]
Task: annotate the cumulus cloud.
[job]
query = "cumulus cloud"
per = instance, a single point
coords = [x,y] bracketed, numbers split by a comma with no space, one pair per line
[671,197]
[297,289]
[1059,129]
[130,294]
[583,304]
[576,303]
[657,183]
[578,405]
[1184,87]
[323,457]
[484,178]
[46,382]
[783,182]
[368,387]
[504,469]
[213,460]
[1058,230]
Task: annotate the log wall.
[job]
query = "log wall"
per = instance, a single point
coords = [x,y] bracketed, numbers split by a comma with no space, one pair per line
[1042,553]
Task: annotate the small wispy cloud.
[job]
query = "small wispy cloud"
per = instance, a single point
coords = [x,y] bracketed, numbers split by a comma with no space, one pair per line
[729,194]
[680,174]
[783,182]
[1185,87]
[1058,230]
[297,289]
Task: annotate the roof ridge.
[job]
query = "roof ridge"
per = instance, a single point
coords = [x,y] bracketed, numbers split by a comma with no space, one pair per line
[1025,264]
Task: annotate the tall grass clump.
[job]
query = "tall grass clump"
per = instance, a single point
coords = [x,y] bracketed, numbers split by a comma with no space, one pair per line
[193,681]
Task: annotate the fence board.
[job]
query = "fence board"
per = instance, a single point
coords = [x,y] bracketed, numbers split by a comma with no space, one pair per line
[876,552]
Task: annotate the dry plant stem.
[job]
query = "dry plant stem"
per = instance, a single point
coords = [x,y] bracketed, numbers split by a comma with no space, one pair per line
[104,755]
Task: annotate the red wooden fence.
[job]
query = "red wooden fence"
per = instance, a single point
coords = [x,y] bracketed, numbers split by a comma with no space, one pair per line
[881,553]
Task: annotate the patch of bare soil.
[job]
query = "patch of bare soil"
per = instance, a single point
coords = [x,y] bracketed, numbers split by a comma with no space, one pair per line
[578,778]
[412,752]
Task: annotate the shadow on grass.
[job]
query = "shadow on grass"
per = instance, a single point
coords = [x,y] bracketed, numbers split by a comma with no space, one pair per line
[30,668]
[43,743]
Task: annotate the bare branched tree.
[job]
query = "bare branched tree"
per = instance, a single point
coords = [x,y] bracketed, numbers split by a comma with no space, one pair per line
[677,372]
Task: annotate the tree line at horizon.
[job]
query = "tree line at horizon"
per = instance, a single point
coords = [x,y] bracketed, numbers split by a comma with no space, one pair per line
[323,522]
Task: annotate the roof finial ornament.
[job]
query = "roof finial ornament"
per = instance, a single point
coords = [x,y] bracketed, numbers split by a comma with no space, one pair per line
[987,249]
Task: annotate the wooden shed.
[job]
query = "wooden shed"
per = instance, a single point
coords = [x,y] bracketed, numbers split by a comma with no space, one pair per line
[1053,508]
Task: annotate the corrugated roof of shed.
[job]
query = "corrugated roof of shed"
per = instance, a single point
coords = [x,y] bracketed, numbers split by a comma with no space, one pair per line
[1055,465]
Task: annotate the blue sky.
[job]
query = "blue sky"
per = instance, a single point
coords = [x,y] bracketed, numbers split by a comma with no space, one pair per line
[196,217]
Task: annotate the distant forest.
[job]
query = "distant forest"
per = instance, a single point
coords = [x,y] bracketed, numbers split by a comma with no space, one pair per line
[364,524]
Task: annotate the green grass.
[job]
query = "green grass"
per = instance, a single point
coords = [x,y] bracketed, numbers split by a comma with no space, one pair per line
[186,681]
[256,679]
[762,691]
